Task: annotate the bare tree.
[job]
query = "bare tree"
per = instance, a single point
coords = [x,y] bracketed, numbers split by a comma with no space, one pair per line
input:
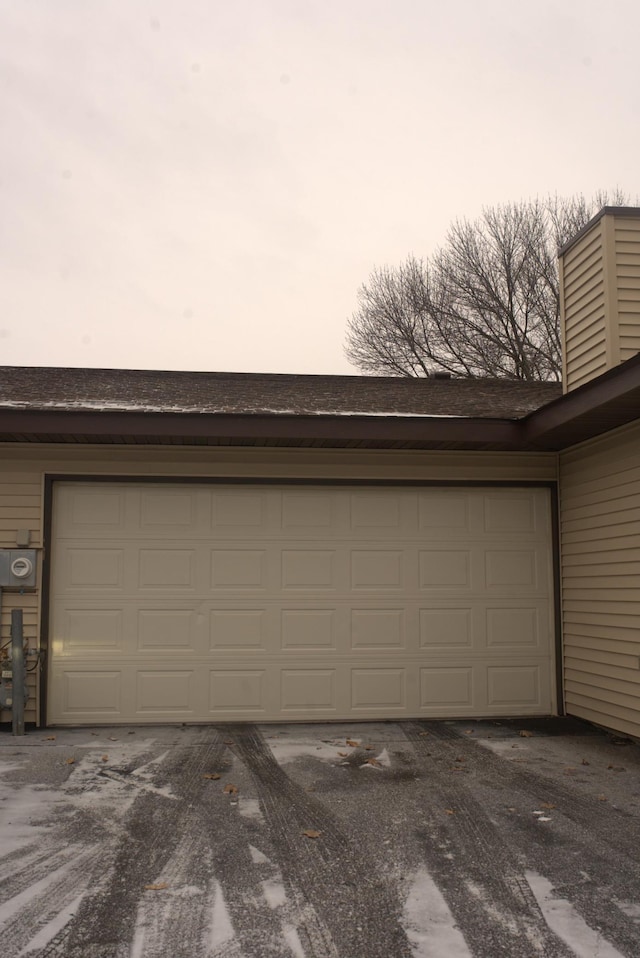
[486,304]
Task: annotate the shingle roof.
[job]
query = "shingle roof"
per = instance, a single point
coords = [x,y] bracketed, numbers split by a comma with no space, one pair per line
[152,391]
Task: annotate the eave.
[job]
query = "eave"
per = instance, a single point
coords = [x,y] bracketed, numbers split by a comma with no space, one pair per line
[365,431]
[597,407]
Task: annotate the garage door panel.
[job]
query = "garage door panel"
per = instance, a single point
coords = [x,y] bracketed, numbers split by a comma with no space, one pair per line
[227,602]
[309,629]
[443,515]
[375,629]
[238,690]
[240,512]
[166,569]
[515,687]
[94,569]
[447,687]
[237,629]
[310,570]
[443,628]
[375,514]
[243,569]
[168,511]
[445,569]
[94,511]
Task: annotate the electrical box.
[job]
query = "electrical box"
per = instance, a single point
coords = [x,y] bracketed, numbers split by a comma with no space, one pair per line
[18,568]
[7,691]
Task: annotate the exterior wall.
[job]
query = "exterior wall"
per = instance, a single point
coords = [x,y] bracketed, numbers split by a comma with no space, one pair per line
[600,547]
[600,297]
[582,303]
[23,469]
[627,261]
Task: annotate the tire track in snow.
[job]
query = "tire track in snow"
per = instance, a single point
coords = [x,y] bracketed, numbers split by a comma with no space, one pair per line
[334,874]
[107,919]
[538,845]
[40,903]
[613,823]
[214,903]
[486,889]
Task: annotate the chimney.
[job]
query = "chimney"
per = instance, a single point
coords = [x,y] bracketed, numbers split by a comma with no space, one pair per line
[600,295]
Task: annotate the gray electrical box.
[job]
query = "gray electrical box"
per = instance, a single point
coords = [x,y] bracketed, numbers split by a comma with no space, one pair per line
[18,568]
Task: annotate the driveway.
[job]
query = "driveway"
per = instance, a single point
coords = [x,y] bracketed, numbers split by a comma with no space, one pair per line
[379,840]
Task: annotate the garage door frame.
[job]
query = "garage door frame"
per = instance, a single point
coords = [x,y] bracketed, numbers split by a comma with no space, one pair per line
[51,479]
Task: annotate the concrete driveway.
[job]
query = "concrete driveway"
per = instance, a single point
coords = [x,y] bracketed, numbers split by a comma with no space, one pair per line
[391,840]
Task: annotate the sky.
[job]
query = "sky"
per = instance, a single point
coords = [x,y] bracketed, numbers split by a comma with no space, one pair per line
[204,185]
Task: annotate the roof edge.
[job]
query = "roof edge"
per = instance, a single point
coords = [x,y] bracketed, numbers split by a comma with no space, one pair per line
[621,211]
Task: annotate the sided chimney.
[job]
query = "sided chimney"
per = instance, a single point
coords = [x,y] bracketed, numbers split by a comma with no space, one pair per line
[600,295]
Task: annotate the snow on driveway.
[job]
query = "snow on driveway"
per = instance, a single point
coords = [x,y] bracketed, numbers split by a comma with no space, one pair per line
[255,843]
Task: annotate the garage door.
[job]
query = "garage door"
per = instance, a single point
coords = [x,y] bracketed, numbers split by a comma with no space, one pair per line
[199,603]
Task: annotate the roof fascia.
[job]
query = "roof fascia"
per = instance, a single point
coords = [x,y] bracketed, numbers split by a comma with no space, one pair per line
[585,405]
[474,432]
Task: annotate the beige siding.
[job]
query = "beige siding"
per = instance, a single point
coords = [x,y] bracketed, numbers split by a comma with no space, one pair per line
[600,543]
[23,469]
[600,299]
[583,310]
[627,245]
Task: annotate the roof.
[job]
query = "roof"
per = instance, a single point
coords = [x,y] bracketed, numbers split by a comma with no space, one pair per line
[154,391]
[619,211]
[54,405]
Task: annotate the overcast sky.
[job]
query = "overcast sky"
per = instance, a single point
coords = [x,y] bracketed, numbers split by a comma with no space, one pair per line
[198,184]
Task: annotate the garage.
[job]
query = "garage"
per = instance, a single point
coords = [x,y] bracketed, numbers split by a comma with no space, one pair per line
[212,601]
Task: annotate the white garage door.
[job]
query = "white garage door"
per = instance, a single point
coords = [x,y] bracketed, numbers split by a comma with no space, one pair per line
[210,602]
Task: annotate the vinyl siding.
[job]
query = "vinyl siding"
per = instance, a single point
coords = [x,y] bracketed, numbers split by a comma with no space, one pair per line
[23,470]
[583,310]
[627,247]
[600,548]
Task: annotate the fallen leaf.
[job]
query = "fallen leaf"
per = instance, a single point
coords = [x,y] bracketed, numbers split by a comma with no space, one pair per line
[310,788]
[584,762]
[547,805]
[212,775]
[570,768]
[523,733]
[374,761]
[230,789]
[602,798]
[352,743]
[343,754]
[229,741]
[50,738]
[368,748]
[311,833]
[424,733]
[459,759]
[159,886]
[70,761]
[468,731]
[449,811]
[105,758]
